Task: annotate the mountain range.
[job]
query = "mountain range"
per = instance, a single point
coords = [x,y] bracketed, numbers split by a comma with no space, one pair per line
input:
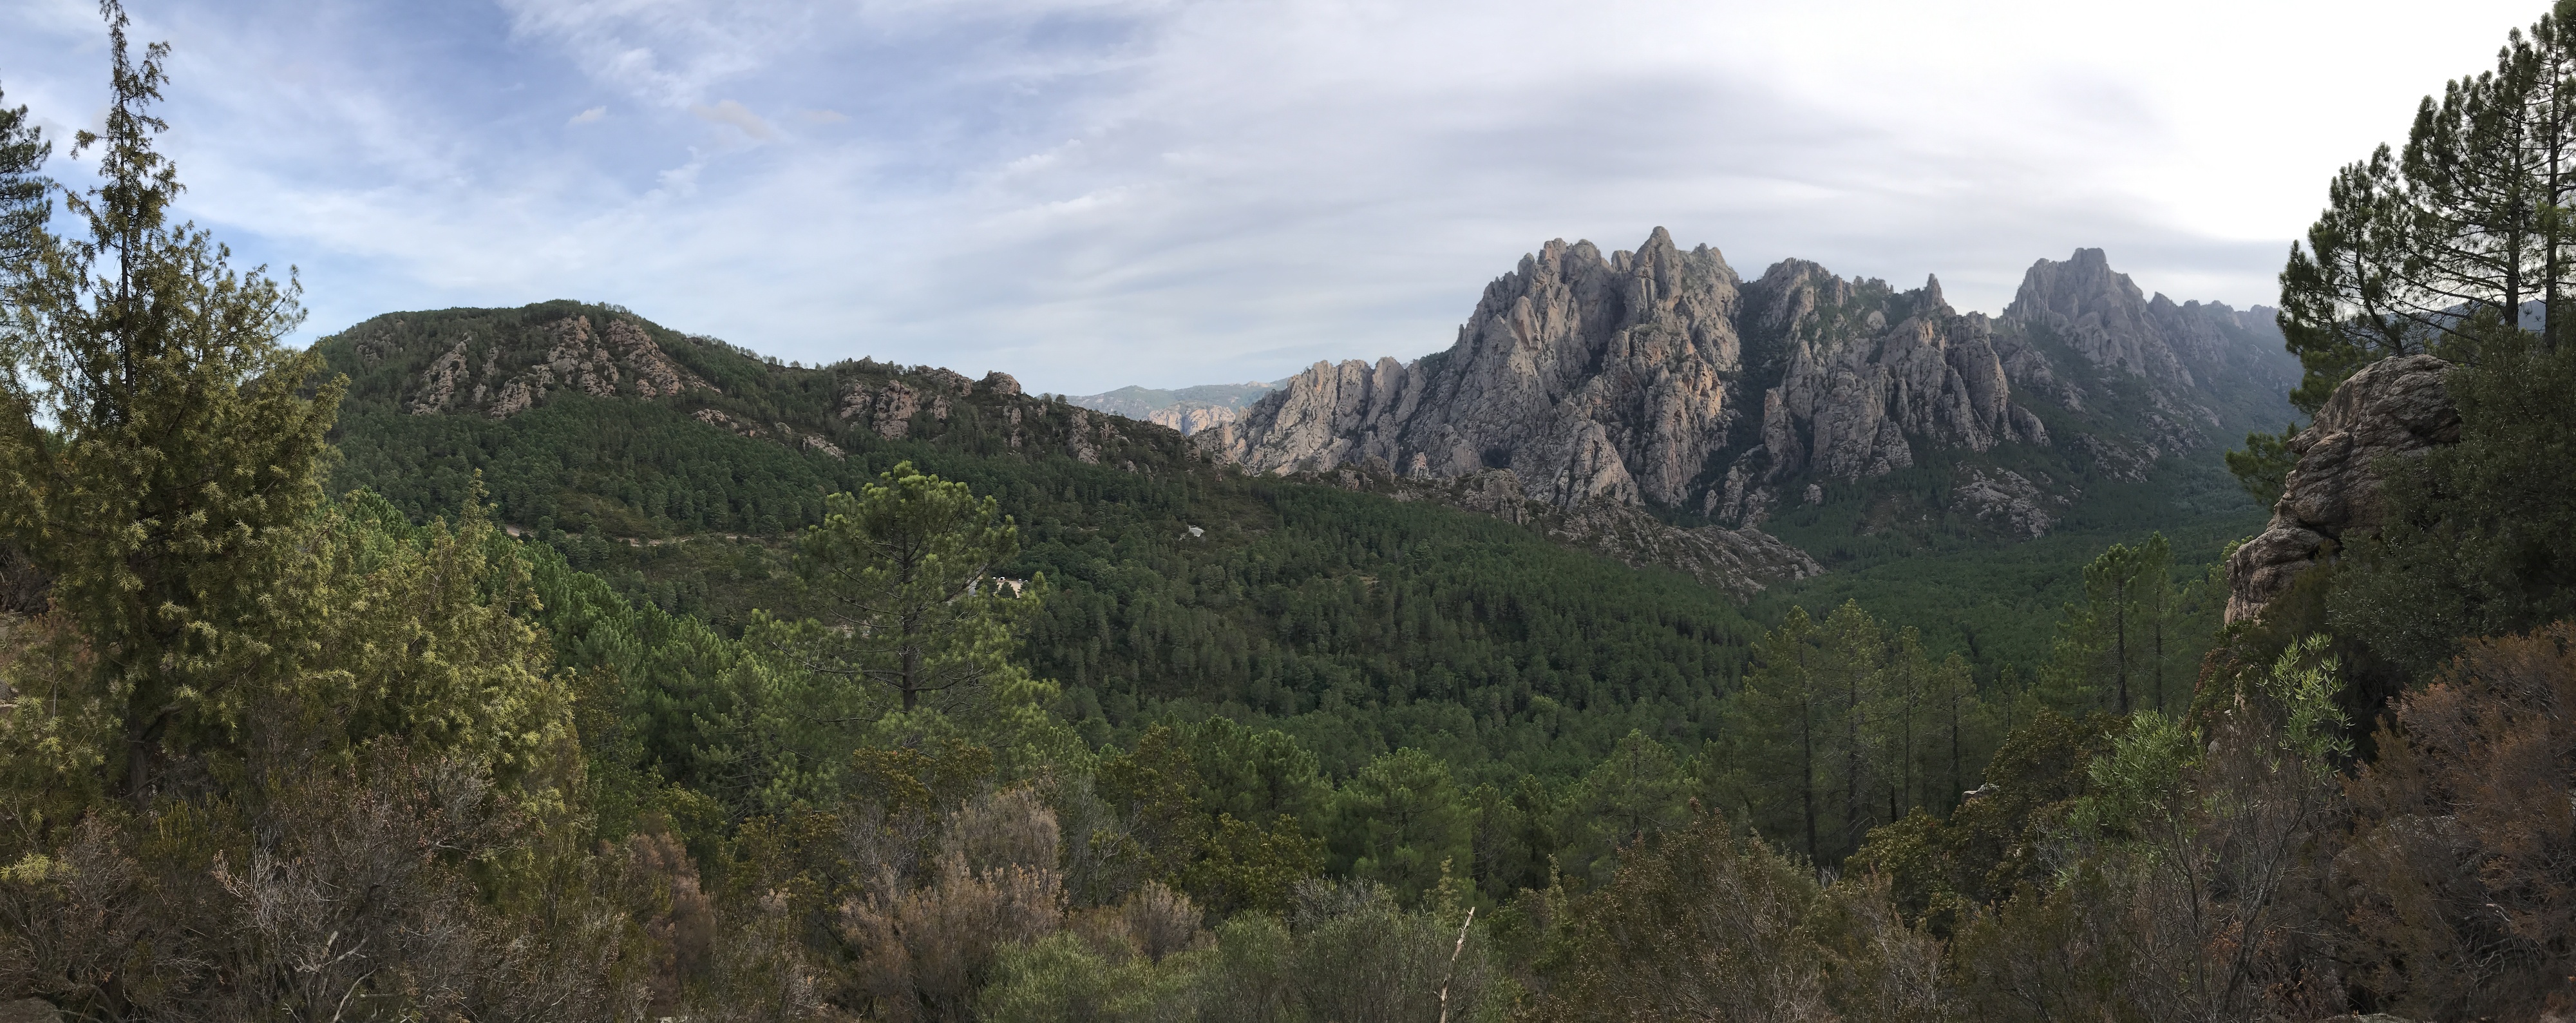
[1187,409]
[1662,378]
[1799,437]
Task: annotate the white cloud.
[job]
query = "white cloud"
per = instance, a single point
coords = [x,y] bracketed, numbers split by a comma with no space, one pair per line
[1089,194]
[588,116]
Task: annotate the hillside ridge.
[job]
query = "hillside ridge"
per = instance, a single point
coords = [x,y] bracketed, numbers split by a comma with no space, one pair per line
[415,375]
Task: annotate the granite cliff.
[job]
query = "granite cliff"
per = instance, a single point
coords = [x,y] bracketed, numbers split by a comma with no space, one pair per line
[1660,377]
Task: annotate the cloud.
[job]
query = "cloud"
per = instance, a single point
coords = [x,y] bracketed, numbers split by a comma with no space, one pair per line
[735,114]
[587,116]
[1090,193]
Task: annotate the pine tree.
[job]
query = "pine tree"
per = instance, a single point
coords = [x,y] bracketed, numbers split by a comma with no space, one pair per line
[1900,702]
[1854,667]
[2099,642]
[2471,215]
[902,578]
[1403,822]
[1785,731]
[2157,617]
[1956,723]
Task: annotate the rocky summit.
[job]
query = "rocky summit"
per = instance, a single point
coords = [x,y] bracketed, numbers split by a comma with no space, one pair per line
[1660,377]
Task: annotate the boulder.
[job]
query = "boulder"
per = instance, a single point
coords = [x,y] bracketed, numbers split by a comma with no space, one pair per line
[2394,408]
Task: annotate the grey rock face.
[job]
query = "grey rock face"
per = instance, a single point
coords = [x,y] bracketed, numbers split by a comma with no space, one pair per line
[1191,419]
[2101,313]
[2395,407]
[617,359]
[2191,356]
[1739,561]
[1866,374]
[1660,377]
[1586,375]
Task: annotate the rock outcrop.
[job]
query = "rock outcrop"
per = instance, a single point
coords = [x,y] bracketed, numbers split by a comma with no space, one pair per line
[1740,561]
[1190,410]
[2396,407]
[2194,361]
[1659,377]
[2009,500]
[1191,419]
[1866,374]
[617,359]
[1588,376]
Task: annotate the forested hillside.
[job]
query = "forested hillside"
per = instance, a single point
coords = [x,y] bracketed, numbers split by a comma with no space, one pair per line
[1357,620]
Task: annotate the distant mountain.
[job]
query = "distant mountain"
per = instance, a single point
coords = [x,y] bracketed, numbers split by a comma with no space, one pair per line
[1188,409]
[1661,378]
[589,418]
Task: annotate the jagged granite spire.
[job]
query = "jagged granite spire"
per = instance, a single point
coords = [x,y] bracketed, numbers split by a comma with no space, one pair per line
[1661,377]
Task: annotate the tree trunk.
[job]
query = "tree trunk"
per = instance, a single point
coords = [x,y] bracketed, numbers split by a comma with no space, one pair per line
[1807,772]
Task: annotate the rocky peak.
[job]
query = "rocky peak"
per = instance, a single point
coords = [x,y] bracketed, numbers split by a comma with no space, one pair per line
[2101,313]
[1587,376]
[1856,392]
[1659,376]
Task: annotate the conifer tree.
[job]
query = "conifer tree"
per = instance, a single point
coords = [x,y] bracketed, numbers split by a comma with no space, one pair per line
[2158,617]
[1404,822]
[902,576]
[1899,703]
[160,442]
[1954,724]
[1854,667]
[2471,214]
[1787,728]
[23,205]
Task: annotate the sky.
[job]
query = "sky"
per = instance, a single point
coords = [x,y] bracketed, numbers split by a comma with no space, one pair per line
[1093,193]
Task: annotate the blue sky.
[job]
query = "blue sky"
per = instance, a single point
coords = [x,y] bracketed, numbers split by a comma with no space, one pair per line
[1089,193]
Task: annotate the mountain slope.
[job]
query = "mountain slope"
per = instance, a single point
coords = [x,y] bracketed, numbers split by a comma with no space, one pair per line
[1356,617]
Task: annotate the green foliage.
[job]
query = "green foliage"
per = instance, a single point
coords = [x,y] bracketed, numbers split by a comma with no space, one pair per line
[1637,792]
[2263,466]
[901,576]
[2472,541]
[2138,636]
[2467,219]
[1711,924]
[1941,869]
[158,448]
[2304,683]
[1848,726]
[23,206]
[1401,822]
[1350,954]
